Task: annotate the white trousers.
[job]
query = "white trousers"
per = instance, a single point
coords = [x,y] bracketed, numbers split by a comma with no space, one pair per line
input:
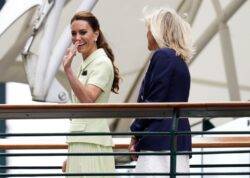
[161,164]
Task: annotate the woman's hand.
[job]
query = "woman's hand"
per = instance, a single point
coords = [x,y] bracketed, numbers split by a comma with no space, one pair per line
[131,148]
[64,166]
[68,58]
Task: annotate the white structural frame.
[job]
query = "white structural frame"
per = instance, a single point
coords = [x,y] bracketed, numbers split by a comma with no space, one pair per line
[49,58]
[212,29]
[228,56]
[62,44]
[44,85]
[46,48]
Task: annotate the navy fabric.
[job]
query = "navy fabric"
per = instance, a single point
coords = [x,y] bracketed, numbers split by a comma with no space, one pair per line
[167,80]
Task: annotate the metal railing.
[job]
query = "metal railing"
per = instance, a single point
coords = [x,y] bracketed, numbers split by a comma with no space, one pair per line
[167,110]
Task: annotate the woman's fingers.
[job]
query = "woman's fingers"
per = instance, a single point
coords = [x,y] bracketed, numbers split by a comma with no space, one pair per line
[131,149]
[74,49]
[64,166]
[70,53]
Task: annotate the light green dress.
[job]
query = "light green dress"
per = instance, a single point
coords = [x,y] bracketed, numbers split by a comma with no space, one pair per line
[96,70]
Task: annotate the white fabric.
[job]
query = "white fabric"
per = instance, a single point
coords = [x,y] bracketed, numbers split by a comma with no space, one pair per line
[161,164]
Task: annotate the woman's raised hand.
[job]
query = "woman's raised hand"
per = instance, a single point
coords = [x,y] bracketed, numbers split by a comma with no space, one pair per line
[68,58]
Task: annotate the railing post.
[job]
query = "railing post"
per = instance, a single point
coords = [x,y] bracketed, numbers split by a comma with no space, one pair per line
[2,122]
[173,143]
[2,100]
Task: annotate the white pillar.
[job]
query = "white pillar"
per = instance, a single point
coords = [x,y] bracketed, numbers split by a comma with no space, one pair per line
[45,49]
[228,56]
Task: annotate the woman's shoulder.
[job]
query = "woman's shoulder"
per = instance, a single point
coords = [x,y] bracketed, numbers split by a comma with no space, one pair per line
[167,55]
[164,55]
[165,52]
[103,63]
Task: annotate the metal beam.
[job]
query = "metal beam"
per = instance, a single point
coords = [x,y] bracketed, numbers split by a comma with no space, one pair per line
[189,7]
[184,6]
[228,56]
[196,4]
[213,28]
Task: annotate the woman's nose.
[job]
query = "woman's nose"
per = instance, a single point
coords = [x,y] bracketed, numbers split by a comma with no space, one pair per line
[78,36]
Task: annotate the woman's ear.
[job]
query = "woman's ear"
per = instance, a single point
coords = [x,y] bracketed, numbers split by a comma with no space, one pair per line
[96,35]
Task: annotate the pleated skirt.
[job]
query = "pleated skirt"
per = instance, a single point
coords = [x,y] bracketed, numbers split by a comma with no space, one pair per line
[89,164]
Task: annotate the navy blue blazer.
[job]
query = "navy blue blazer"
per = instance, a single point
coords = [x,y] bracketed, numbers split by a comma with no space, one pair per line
[167,80]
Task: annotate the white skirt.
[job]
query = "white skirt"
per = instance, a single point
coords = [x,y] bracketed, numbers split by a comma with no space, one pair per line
[89,164]
[161,164]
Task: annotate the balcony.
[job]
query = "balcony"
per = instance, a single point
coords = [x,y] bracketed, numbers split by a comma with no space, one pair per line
[228,142]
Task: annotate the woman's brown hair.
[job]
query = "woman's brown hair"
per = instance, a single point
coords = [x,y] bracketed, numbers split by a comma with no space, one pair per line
[101,43]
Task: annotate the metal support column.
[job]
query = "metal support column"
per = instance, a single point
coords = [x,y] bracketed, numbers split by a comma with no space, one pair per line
[228,56]
[2,124]
[2,100]
[173,144]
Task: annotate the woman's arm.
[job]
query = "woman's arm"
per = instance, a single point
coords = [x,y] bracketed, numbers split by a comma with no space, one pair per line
[84,93]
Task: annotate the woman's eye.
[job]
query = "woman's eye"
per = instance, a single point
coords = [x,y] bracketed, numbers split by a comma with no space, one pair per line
[73,33]
[82,32]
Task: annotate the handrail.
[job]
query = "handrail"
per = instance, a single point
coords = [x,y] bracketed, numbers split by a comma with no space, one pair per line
[122,143]
[127,105]
[45,111]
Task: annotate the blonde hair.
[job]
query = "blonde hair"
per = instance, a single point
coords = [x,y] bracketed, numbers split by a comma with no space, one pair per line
[170,31]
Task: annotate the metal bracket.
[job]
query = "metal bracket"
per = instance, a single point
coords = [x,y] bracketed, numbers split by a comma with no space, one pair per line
[43,13]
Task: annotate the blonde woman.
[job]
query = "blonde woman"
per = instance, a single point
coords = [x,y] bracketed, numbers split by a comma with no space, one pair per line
[167,80]
[97,77]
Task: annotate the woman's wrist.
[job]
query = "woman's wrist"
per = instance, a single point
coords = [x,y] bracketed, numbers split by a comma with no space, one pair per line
[68,69]
[134,137]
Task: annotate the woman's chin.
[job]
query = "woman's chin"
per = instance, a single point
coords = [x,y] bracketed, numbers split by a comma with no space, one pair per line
[80,49]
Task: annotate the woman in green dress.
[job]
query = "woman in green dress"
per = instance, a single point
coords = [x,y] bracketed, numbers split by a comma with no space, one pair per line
[97,77]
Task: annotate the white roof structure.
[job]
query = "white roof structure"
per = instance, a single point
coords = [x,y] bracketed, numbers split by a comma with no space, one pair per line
[219,71]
